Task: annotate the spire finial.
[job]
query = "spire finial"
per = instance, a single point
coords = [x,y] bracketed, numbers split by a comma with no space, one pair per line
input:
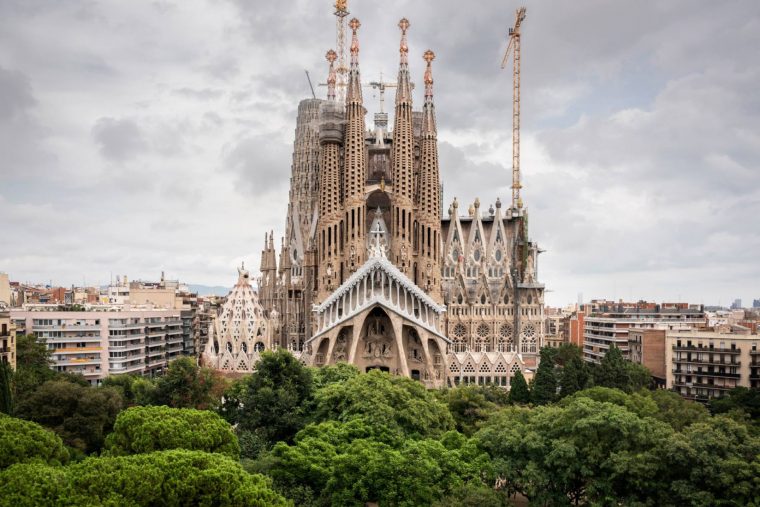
[429,56]
[331,76]
[403,48]
[354,24]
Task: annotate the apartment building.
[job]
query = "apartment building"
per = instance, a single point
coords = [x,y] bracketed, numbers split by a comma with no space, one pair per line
[602,329]
[704,364]
[7,338]
[105,340]
[647,347]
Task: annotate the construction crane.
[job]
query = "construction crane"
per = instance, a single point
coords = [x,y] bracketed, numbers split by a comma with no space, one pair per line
[381,86]
[514,48]
[310,85]
[341,11]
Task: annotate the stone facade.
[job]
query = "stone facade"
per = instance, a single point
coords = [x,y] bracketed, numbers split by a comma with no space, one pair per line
[239,332]
[369,270]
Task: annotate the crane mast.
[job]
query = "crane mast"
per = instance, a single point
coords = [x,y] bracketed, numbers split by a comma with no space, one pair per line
[341,11]
[514,48]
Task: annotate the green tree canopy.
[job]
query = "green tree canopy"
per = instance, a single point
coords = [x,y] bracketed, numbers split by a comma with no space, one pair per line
[640,404]
[276,400]
[545,383]
[167,478]
[28,442]
[519,393]
[134,389]
[6,388]
[612,371]
[574,376]
[585,451]
[676,411]
[712,462]
[81,416]
[742,398]
[32,365]
[186,385]
[335,463]
[332,374]
[469,407]
[398,403]
[141,430]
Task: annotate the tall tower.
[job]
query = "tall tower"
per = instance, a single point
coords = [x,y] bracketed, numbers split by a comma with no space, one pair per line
[329,246]
[429,268]
[402,202]
[354,173]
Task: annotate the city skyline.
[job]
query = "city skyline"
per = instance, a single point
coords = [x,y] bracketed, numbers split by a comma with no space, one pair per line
[164,150]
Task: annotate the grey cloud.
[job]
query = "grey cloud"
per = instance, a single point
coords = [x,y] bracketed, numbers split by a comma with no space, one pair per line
[260,164]
[640,124]
[204,94]
[118,139]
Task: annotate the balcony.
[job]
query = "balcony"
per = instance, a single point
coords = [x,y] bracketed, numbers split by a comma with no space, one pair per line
[709,363]
[691,348]
[134,325]
[704,386]
[707,374]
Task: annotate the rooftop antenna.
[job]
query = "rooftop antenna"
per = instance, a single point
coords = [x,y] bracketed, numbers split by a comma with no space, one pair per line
[310,85]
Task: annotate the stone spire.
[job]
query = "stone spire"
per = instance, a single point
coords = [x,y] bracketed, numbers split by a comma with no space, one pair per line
[354,82]
[429,206]
[404,89]
[402,201]
[354,169]
[331,75]
[328,246]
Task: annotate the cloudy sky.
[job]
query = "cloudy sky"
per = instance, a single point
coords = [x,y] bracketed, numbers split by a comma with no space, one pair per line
[143,136]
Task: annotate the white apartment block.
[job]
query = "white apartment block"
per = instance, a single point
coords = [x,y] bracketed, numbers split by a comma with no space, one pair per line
[105,340]
[603,330]
[704,364]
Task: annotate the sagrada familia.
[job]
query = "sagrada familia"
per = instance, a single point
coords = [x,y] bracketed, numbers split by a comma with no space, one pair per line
[370,270]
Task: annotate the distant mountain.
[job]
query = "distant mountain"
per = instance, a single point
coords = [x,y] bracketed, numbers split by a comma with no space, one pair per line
[206,290]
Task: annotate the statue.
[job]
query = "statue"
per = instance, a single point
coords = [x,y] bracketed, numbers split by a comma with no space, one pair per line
[352,259]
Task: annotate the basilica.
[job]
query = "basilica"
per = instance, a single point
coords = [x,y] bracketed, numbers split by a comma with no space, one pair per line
[373,270]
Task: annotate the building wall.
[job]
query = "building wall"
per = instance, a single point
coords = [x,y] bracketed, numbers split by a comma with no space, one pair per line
[707,364]
[7,339]
[99,343]
[602,331]
[647,347]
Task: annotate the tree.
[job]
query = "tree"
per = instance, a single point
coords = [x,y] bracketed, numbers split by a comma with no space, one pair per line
[545,383]
[171,478]
[332,374]
[469,407]
[639,375]
[6,388]
[583,452]
[186,385]
[713,462]
[742,398]
[275,404]
[134,389]
[519,392]
[336,463]
[401,404]
[640,404]
[27,442]
[140,430]
[81,416]
[612,371]
[673,409]
[32,365]
[574,376]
